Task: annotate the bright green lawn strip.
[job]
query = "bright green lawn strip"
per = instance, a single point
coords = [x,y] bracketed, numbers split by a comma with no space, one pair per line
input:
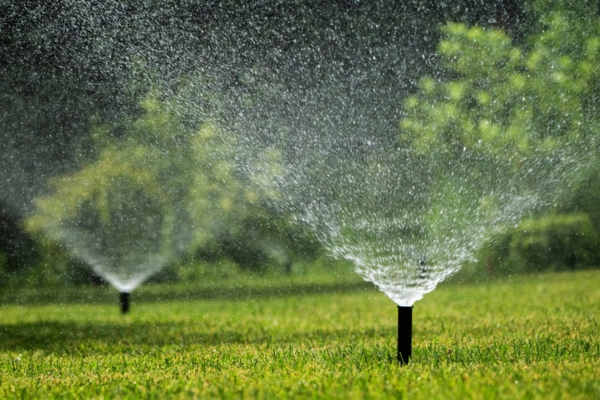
[531,338]
[294,373]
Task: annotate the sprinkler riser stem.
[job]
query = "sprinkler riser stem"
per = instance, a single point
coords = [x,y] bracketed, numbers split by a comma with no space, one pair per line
[404,334]
[125,301]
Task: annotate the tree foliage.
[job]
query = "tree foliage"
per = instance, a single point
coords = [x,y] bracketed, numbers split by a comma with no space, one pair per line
[159,187]
[530,107]
[510,101]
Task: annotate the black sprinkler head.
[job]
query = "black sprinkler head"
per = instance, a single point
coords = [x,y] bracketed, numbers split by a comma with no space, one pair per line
[404,334]
[125,301]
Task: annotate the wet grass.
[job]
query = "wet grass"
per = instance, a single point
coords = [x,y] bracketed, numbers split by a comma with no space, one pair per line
[528,337]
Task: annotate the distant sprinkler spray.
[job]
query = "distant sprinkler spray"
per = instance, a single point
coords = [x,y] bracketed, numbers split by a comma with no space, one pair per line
[404,334]
[125,302]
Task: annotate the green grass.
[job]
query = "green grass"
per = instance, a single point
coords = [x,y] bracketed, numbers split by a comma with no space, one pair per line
[527,337]
[241,286]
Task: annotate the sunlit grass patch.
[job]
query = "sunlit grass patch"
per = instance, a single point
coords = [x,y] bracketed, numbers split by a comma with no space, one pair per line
[532,337]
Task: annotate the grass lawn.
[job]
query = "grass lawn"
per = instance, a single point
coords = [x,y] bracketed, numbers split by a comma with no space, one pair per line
[527,337]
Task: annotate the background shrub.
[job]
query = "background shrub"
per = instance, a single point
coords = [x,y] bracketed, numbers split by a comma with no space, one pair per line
[549,243]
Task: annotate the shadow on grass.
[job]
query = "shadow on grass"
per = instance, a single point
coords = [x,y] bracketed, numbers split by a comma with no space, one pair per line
[88,338]
[157,294]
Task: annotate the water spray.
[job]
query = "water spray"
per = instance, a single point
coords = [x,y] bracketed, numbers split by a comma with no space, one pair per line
[404,334]
[125,301]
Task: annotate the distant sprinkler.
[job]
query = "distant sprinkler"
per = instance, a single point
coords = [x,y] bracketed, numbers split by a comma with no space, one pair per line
[125,300]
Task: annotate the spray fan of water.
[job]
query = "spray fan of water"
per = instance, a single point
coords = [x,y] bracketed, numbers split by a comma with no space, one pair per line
[408,222]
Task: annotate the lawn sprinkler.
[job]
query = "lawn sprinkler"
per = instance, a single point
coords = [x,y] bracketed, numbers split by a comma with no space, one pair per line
[404,334]
[125,300]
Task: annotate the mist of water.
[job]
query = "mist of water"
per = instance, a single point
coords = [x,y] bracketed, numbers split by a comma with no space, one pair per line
[407,223]
[323,85]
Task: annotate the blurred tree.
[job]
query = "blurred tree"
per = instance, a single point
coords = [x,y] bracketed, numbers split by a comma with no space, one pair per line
[503,106]
[510,101]
[122,208]
[163,188]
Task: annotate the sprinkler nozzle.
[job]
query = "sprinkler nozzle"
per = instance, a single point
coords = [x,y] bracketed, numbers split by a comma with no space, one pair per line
[404,334]
[125,300]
